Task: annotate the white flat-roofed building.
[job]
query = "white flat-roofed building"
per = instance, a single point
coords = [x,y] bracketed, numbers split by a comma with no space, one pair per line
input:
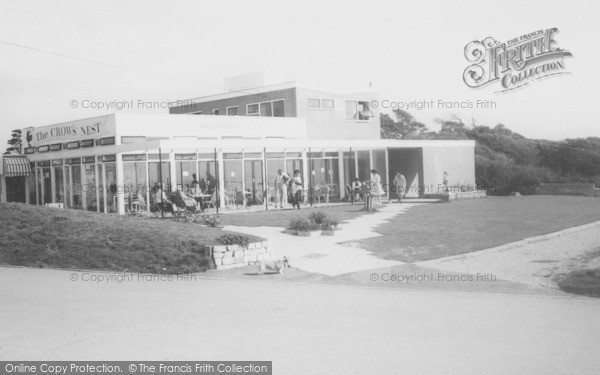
[108,163]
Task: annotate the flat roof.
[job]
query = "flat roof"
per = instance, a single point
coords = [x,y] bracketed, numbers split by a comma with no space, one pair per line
[263,89]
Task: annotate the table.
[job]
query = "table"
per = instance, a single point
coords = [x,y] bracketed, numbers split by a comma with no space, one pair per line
[200,198]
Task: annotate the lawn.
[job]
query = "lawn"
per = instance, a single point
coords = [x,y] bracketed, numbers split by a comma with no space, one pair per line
[280,218]
[45,237]
[433,231]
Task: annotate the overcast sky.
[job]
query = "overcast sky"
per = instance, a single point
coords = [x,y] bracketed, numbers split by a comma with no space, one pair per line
[182,49]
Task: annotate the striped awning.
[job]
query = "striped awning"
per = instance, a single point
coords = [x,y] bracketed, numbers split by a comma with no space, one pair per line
[14,166]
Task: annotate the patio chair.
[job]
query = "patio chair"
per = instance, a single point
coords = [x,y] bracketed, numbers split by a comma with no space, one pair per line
[138,202]
[349,194]
[229,199]
[240,199]
[322,192]
[211,205]
[179,212]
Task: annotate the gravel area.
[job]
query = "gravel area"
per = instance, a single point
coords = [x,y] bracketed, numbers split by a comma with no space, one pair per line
[535,261]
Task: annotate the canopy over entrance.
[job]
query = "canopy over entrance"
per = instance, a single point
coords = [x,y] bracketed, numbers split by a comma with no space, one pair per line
[15,165]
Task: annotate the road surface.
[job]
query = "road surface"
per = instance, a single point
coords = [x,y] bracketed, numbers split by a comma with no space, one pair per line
[302,328]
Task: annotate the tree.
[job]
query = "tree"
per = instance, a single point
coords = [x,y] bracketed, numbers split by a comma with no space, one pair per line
[15,142]
[405,125]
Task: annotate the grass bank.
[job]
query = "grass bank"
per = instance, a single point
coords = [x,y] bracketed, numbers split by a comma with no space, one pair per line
[36,236]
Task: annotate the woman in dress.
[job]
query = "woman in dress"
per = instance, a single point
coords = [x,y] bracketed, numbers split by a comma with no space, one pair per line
[376,189]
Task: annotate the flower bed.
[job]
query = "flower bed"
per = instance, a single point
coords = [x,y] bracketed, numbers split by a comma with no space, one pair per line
[316,224]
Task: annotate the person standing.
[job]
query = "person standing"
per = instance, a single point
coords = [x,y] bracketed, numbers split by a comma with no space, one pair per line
[400,185]
[445,181]
[376,189]
[210,183]
[281,181]
[195,184]
[296,188]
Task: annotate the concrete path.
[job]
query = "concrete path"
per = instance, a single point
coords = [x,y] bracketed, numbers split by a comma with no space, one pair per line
[533,261]
[324,254]
[303,329]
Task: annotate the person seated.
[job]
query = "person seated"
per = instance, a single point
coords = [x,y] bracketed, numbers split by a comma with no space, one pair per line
[357,189]
[161,198]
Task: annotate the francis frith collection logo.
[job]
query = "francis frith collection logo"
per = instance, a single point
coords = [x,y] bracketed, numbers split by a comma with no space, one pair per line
[515,63]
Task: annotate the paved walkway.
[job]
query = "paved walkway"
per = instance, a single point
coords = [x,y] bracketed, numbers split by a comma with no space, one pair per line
[534,261]
[324,254]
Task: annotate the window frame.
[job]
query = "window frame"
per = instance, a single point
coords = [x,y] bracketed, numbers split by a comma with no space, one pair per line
[259,104]
[318,102]
[237,108]
[257,113]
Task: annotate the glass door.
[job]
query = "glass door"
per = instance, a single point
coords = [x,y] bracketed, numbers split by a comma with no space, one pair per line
[253,170]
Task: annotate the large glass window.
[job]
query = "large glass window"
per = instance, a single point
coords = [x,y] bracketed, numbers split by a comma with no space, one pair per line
[154,173]
[90,189]
[185,171]
[349,172]
[101,186]
[76,188]
[253,170]
[110,176]
[46,185]
[68,191]
[59,186]
[379,164]
[134,181]
[206,176]
[364,165]
[232,111]
[233,176]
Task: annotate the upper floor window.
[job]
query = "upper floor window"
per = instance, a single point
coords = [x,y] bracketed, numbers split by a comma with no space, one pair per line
[319,103]
[327,103]
[358,110]
[269,109]
[133,139]
[266,109]
[252,110]
[313,103]
[278,108]
[232,111]
[215,111]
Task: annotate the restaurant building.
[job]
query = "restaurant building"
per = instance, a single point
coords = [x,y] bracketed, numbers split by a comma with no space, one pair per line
[106,163]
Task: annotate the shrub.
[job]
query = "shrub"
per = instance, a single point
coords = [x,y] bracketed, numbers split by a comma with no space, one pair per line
[210,221]
[317,217]
[295,223]
[234,239]
[304,225]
